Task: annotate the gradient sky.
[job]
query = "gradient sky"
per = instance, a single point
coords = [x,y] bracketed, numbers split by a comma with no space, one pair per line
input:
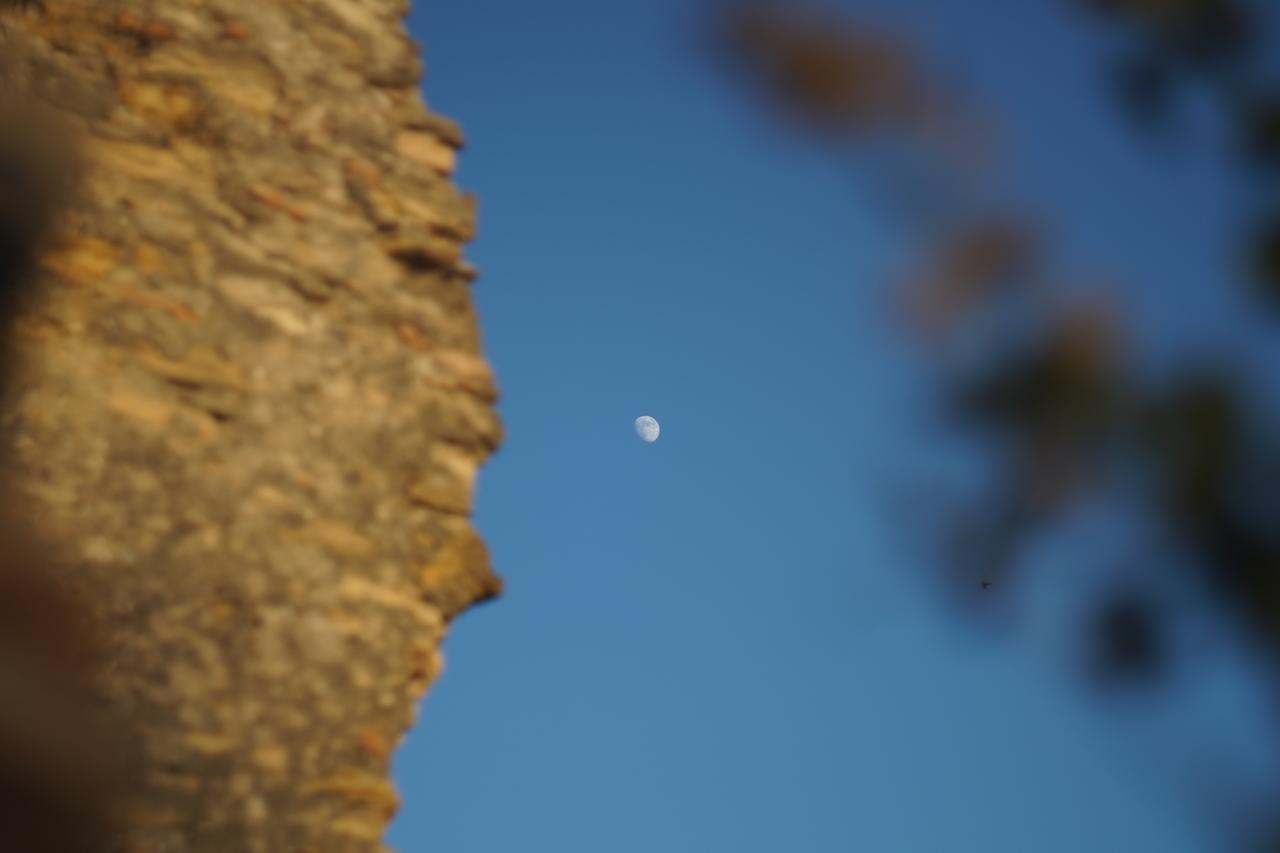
[718,642]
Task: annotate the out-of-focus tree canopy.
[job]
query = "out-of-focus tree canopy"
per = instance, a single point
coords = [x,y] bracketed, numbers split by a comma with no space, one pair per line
[1057,390]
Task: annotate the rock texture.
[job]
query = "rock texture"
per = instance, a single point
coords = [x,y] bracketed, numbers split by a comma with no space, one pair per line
[249,401]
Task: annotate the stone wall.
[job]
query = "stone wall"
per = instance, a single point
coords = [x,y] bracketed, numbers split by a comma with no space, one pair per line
[248,400]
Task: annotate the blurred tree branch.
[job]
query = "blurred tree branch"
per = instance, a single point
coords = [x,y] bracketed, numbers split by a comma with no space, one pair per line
[1061,393]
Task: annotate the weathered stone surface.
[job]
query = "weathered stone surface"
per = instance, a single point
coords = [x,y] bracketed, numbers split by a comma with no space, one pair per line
[250,401]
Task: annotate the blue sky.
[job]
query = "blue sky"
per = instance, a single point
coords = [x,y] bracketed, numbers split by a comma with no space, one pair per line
[718,641]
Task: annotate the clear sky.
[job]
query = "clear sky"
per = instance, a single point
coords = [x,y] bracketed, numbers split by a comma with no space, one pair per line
[718,642]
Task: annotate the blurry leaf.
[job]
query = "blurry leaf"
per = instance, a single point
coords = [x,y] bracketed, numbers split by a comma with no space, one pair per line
[1178,42]
[1265,253]
[1197,444]
[1127,641]
[832,78]
[1203,33]
[1066,385]
[1261,131]
[1144,88]
[971,266]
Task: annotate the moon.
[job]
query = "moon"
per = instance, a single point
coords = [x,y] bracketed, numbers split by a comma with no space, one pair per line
[647,428]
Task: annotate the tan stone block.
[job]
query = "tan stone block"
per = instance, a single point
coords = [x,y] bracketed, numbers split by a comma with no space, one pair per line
[145,299]
[270,496]
[452,562]
[251,87]
[148,259]
[376,398]
[426,664]
[413,338]
[140,408]
[268,196]
[145,31]
[465,371]
[221,613]
[450,485]
[256,811]
[425,251]
[446,129]
[427,150]
[373,743]
[362,171]
[363,827]
[348,626]
[202,261]
[459,226]
[236,31]
[358,788]
[269,300]
[271,758]
[382,207]
[420,212]
[82,261]
[363,18]
[338,538]
[170,104]
[118,159]
[442,495]
[251,96]
[359,590]
[201,366]
[200,163]
[208,743]
[460,575]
